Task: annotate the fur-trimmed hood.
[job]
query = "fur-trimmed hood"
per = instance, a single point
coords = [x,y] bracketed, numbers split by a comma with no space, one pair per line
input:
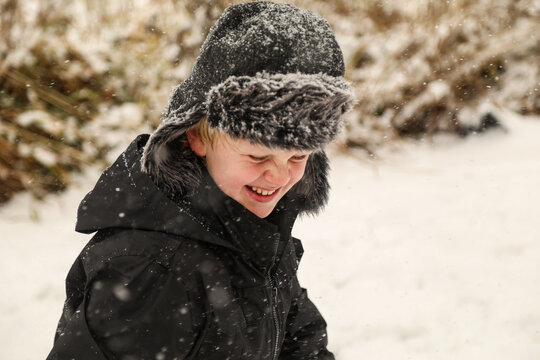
[269,73]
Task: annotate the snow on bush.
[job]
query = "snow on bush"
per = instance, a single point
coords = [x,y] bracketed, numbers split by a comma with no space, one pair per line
[80,78]
[429,66]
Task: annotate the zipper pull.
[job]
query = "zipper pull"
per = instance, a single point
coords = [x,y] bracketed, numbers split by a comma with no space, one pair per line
[275,294]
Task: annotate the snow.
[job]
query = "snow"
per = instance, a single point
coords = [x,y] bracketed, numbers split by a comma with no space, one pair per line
[42,120]
[428,252]
[432,253]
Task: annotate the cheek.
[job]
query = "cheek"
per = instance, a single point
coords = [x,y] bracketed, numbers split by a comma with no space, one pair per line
[244,175]
[252,174]
[297,172]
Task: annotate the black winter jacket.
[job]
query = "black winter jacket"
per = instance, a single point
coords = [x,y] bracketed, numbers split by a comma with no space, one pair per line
[195,278]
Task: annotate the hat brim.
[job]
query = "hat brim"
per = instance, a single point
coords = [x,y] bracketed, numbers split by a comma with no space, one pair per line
[300,111]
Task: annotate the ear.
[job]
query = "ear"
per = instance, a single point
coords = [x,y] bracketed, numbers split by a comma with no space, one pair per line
[196,144]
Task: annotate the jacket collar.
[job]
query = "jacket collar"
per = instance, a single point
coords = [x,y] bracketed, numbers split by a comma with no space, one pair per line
[257,238]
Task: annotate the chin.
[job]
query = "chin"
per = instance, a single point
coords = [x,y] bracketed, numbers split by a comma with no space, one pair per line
[262,213]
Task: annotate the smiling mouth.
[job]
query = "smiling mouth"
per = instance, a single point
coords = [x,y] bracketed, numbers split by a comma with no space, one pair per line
[261,191]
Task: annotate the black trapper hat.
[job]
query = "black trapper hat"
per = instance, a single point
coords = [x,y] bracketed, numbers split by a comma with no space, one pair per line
[269,73]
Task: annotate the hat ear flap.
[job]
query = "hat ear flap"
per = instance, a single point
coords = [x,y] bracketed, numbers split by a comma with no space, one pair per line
[168,159]
[313,188]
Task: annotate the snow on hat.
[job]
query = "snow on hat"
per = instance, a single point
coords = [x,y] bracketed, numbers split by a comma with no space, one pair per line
[269,73]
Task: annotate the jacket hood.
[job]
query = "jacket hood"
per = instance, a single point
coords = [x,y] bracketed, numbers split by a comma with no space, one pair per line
[125,197]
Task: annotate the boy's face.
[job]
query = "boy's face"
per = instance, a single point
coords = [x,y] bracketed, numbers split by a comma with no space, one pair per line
[254,175]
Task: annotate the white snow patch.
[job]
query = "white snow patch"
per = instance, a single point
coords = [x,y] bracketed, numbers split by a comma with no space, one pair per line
[430,253]
[41,119]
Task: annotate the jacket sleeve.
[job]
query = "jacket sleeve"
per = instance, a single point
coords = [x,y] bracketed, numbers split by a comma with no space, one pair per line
[305,336]
[305,331]
[132,309]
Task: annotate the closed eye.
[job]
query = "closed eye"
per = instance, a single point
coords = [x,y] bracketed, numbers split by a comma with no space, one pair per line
[299,157]
[258,158]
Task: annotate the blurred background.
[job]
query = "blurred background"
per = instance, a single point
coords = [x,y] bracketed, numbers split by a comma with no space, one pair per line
[79,79]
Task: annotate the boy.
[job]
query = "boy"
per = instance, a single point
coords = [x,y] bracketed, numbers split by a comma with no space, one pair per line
[193,256]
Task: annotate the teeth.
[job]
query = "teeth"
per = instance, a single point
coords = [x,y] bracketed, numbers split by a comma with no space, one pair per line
[262,192]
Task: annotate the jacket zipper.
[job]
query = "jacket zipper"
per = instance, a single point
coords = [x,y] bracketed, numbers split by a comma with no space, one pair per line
[275,318]
[273,302]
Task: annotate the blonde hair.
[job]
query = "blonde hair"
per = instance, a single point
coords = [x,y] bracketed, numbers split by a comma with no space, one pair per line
[208,134]
[203,131]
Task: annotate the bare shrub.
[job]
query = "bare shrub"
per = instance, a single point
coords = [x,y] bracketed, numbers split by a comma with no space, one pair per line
[430,69]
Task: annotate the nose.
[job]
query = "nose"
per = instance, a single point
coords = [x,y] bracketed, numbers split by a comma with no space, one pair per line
[278,174]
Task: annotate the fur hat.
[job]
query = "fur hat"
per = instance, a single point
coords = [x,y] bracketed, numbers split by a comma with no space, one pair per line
[269,73]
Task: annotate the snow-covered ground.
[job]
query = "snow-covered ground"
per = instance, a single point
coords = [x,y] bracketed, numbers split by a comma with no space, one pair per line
[432,252]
